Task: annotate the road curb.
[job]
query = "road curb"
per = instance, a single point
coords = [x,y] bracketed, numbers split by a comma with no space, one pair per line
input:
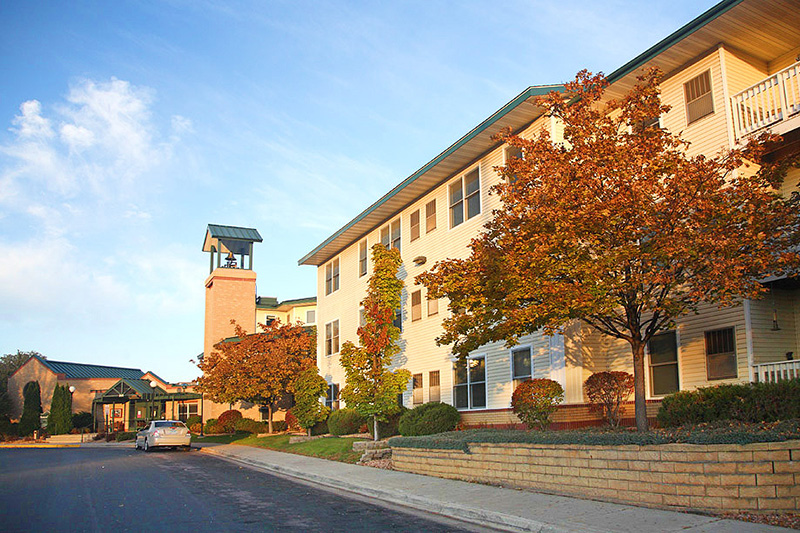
[449,509]
[18,446]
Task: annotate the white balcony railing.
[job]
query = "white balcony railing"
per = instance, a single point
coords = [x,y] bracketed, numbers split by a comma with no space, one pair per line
[774,372]
[768,102]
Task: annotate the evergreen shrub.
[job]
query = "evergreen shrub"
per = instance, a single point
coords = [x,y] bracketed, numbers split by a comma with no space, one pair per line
[344,422]
[248,425]
[279,425]
[192,420]
[125,435]
[748,402]
[428,419]
[82,419]
[227,420]
[32,408]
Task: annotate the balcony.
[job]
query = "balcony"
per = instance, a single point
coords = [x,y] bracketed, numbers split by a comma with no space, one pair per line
[773,102]
[774,372]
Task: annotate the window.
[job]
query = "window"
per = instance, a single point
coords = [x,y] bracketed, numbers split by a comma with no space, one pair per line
[465,198]
[469,384]
[663,350]
[433,386]
[185,410]
[362,317]
[362,258]
[416,380]
[416,305]
[430,216]
[332,337]
[699,98]
[332,398]
[311,317]
[721,353]
[415,225]
[520,365]
[390,235]
[332,276]
[433,307]
[398,319]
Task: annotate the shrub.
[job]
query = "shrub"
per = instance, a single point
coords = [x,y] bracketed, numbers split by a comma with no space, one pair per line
[309,387]
[248,425]
[279,425]
[749,402]
[344,422]
[292,423]
[196,428]
[428,418]
[320,428]
[607,390]
[227,420]
[7,428]
[535,400]
[111,437]
[125,435]
[194,419]
[212,426]
[390,427]
[82,419]
[31,409]
[99,436]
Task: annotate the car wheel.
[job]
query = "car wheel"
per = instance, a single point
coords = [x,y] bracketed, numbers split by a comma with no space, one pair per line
[187,448]
[136,445]
[147,447]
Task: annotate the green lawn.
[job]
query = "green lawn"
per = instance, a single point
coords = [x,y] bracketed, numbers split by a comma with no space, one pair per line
[331,448]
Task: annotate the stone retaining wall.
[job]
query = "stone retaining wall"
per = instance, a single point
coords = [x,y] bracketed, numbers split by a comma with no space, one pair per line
[720,477]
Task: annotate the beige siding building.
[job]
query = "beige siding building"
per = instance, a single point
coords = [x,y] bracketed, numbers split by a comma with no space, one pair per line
[731,72]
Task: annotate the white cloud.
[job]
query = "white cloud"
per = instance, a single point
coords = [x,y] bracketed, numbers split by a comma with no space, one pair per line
[31,123]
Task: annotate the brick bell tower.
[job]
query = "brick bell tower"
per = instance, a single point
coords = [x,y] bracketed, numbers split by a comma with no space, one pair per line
[231,282]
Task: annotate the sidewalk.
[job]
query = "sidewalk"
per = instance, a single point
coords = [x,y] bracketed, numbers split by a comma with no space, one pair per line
[506,509]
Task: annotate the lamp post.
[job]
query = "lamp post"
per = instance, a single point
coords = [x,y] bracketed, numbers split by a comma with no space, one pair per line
[153,386]
[71,392]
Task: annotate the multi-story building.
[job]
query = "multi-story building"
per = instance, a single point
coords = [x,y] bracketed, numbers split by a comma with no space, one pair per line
[732,71]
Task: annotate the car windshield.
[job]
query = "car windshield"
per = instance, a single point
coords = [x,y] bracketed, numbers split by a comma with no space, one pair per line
[170,424]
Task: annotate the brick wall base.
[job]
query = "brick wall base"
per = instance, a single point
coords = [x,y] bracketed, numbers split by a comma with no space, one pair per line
[763,477]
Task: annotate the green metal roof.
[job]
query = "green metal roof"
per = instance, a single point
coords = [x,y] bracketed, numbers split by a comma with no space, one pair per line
[81,370]
[234,232]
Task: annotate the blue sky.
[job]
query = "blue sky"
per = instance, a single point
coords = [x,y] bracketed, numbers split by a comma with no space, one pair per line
[127,127]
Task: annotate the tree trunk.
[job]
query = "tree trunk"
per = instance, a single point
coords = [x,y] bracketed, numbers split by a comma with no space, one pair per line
[637,347]
[375,427]
[269,411]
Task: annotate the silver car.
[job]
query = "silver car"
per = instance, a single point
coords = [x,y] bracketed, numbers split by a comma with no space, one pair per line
[164,433]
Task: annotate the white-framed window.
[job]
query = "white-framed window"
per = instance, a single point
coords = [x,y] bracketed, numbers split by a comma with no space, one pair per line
[430,216]
[390,235]
[433,307]
[186,409]
[416,396]
[362,258]
[663,352]
[699,97]
[469,382]
[332,397]
[311,316]
[332,276]
[434,394]
[332,337]
[414,220]
[721,353]
[416,306]
[465,197]
[521,367]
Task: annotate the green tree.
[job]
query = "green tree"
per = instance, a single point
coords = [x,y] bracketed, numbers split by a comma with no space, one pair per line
[258,368]
[616,226]
[309,387]
[59,420]
[31,409]
[370,387]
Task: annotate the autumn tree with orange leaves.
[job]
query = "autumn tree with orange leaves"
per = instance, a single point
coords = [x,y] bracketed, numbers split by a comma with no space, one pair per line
[258,368]
[616,226]
[370,387]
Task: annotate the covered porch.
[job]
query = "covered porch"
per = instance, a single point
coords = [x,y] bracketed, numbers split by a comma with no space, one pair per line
[130,404]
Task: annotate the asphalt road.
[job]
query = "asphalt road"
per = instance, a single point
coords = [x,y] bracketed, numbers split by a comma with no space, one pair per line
[119,489]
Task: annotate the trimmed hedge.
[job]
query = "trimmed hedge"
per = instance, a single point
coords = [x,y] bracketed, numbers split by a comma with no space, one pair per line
[125,435]
[428,419]
[248,425]
[344,422]
[227,420]
[82,419]
[749,402]
[715,433]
